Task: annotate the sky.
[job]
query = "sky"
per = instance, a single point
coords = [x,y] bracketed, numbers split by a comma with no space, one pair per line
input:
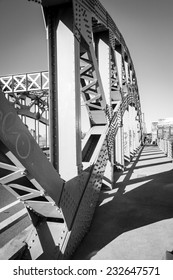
[147,27]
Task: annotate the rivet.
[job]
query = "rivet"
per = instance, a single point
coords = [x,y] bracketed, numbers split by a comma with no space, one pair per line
[24,172]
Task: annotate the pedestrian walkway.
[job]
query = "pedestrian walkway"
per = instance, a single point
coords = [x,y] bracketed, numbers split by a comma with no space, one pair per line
[134,220]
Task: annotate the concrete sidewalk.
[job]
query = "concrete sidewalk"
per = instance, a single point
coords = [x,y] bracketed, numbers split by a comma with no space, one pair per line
[135,219]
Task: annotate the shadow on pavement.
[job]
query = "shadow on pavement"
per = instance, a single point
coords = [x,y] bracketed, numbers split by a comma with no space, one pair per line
[121,211]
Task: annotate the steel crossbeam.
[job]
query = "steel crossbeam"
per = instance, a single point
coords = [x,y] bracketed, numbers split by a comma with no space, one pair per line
[91,74]
[24,82]
[29,95]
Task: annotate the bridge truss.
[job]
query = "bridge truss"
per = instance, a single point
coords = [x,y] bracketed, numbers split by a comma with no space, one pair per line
[89,108]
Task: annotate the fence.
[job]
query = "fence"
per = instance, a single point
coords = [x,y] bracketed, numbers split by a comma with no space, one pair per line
[166,145]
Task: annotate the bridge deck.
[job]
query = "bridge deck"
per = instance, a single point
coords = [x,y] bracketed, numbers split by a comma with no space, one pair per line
[135,219]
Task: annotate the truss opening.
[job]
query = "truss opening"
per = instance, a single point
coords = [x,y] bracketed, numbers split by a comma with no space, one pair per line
[90,147]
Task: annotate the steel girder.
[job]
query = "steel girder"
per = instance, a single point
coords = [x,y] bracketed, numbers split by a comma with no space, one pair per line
[82,37]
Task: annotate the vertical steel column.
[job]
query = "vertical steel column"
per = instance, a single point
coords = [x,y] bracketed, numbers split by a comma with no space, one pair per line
[126,136]
[119,146]
[78,107]
[69,102]
[136,131]
[104,69]
[122,142]
[134,128]
[53,98]
[131,130]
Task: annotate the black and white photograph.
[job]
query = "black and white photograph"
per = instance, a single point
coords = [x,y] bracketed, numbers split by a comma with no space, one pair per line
[86,137]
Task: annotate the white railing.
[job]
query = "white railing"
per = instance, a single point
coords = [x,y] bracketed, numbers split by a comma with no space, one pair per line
[25,82]
[166,145]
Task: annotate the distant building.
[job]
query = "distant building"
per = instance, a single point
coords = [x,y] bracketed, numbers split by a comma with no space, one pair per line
[162,129]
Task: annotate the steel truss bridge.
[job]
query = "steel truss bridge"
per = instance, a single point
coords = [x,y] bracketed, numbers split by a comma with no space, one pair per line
[88,108]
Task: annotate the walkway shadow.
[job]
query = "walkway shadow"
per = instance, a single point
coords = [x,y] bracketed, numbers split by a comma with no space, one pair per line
[121,211]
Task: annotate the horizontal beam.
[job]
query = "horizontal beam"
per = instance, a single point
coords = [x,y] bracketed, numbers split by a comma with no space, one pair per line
[13,219]
[8,206]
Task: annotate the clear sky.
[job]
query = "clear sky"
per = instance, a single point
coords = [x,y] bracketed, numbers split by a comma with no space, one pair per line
[147,27]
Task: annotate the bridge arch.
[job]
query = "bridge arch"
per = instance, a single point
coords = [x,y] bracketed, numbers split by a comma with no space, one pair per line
[92,82]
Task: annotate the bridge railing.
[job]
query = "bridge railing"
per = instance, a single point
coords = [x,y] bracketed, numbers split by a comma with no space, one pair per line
[25,82]
[166,145]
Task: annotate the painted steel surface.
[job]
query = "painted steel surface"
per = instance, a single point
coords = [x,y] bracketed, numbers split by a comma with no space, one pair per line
[89,66]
